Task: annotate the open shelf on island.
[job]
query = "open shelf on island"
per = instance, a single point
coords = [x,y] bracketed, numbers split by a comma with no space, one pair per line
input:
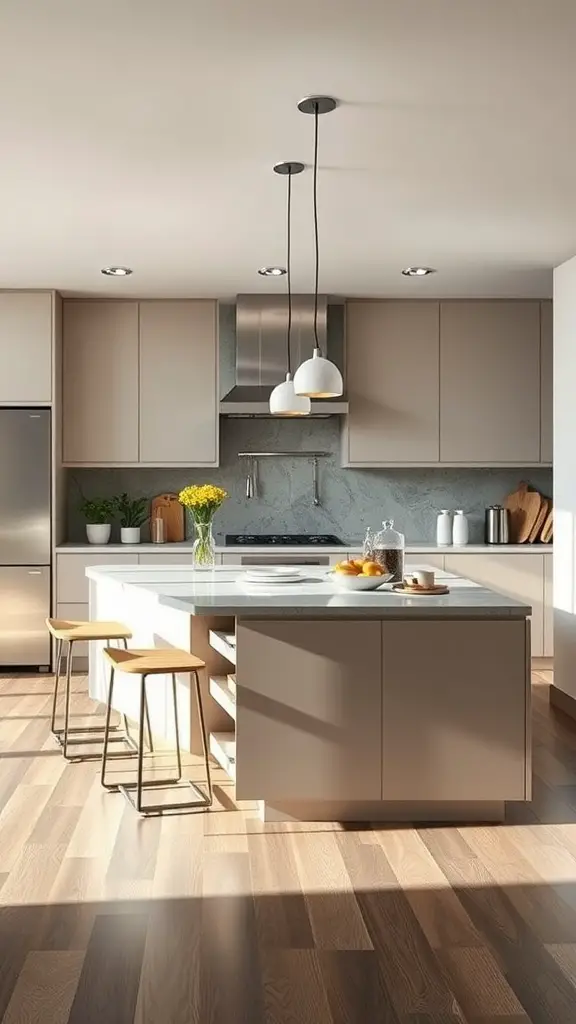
[223,749]
[224,643]
[224,693]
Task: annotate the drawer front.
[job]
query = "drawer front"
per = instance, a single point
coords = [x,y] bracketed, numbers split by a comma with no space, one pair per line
[71,580]
[161,559]
[74,613]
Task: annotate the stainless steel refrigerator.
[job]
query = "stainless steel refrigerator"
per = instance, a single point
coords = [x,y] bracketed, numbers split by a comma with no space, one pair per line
[24,537]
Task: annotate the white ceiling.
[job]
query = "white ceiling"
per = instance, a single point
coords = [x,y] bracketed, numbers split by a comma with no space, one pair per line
[144,133]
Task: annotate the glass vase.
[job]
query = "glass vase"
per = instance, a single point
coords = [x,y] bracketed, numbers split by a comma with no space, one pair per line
[203,551]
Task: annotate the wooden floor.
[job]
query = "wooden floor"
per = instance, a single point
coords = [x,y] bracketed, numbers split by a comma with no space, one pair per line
[217,919]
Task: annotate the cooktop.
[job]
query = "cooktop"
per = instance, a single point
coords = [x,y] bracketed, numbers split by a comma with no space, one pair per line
[283,539]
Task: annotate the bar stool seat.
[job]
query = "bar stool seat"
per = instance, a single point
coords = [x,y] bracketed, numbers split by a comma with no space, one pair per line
[155,661]
[152,662]
[74,629]
[71,631]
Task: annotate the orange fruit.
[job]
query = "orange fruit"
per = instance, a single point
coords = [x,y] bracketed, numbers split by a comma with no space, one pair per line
[372,569]
[347,567]
[359,563]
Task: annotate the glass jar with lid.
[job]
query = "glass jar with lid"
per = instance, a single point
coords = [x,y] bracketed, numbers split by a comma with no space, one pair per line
[389,550]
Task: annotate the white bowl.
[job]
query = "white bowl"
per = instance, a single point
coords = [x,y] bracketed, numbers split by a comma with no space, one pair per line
[344,582]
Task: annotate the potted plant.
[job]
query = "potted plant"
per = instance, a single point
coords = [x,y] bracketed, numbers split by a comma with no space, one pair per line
[99,513]
[132,513]
[202,502]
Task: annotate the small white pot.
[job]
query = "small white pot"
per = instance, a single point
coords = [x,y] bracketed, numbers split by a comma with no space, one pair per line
[130,534]
[98,533]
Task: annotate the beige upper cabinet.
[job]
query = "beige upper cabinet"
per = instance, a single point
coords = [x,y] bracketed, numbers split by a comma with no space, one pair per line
[100,367]
[546,371]
[490,382]
[26,347]
[178,383]
[392,383]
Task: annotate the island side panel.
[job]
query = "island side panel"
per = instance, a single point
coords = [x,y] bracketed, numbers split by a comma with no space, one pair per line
[155,625]
[455,710]
[308,710]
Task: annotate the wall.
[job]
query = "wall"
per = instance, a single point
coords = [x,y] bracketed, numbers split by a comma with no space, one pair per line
[351,499]
[564,479]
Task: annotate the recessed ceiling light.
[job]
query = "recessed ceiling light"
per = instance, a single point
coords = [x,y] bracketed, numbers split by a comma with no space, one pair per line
[116,271]
[272,271]
[418,271]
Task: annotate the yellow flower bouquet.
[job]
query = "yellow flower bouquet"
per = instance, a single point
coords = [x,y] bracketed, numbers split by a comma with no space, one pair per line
[202,501]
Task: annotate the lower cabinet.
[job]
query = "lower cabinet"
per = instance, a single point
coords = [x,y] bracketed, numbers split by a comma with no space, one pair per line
[520,575]
[313,718]
[454,727]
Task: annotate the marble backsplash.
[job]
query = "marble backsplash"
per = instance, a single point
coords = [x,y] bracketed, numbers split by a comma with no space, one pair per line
[351,499]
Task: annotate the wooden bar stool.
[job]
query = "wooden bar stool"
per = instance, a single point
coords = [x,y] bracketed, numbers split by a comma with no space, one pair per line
[71,632]
[157,661]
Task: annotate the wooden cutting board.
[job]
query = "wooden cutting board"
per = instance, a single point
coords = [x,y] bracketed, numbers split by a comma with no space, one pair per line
[546,534]
[524,507]
[536,530]
[168,508]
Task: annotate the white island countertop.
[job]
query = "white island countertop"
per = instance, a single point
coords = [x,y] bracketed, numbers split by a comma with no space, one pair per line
[185,548]
[223,592]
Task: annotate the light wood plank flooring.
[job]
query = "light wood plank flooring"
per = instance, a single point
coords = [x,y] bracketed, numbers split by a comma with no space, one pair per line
[217,919]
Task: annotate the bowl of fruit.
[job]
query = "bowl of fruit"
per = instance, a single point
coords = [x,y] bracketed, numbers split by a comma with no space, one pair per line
[359,574]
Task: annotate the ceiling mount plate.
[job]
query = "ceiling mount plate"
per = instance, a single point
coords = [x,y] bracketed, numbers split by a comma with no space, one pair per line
[322,104]
[289,167]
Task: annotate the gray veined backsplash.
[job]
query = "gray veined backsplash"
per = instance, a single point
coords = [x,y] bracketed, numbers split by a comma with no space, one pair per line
[351,499]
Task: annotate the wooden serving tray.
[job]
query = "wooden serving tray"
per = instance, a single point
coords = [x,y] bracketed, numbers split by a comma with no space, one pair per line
[435,591]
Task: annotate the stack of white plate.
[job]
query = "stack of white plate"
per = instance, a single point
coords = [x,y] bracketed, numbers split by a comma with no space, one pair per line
[274,574]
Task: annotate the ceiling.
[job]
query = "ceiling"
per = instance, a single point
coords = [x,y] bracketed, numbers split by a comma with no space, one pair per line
[145,133]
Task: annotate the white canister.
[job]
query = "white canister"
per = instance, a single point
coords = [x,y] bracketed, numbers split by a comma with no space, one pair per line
[460,528]
[444,528]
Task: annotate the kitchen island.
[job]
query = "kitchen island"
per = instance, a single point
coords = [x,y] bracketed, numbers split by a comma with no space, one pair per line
[330,705]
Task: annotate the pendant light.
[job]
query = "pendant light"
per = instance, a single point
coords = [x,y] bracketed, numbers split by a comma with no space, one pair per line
[317,377]
[284,401]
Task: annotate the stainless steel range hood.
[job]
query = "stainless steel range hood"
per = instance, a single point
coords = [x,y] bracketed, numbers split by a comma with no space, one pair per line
[261,356]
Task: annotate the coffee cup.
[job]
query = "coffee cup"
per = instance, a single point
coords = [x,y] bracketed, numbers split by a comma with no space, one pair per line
[419,578]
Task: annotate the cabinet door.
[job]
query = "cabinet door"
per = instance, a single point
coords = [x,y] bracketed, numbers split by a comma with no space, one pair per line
[100,419]
[490,382]
[392,382]
[178,383]
[548,606]
[72,584]
[308,710]
[454,710]
[546,382]
[25,347]
[519,576]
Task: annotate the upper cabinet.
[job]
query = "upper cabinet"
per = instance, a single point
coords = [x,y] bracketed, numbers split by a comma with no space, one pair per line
[26,347]
[140,383]
[100,366]
[546,396]
[392,375]
[178,374]
[455,383]
[490,382]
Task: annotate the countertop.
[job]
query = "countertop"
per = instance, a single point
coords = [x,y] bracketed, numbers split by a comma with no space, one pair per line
[355,546]
[221,592]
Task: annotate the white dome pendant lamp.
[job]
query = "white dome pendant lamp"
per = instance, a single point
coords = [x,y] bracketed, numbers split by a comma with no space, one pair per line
[317,377]
[284,401]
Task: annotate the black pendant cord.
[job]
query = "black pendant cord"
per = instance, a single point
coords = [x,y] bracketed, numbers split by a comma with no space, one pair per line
[316,243]
[289,268]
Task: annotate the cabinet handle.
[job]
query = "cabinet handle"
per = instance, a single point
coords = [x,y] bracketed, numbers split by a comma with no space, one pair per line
[35,572]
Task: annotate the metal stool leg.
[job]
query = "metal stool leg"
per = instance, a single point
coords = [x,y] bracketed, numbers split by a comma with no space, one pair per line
[67,705]
[176,728]
[107,785]
[56,686]
[141,744]
[148,729]
[204,738]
